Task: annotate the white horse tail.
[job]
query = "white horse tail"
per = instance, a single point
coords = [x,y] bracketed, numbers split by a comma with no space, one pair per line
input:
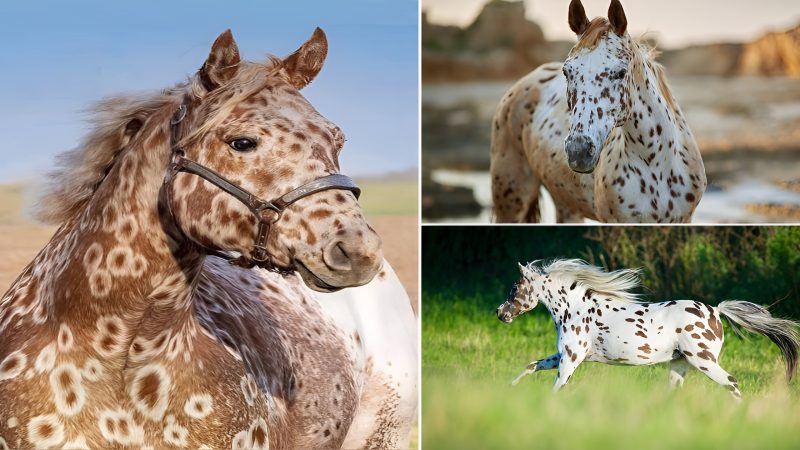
[754,318]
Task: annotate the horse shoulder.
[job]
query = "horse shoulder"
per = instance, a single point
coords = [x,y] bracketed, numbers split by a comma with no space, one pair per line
[379,318]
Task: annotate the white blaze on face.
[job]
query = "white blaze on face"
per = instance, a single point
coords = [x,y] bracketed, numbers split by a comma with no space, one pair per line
[597,88]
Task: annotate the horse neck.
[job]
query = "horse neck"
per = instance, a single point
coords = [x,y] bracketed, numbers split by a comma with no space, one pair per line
[655,132]
[559,298]
[114,262]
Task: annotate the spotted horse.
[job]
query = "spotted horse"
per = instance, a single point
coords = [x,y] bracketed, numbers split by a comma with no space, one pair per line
[174,307]
[601,132]
[598,319]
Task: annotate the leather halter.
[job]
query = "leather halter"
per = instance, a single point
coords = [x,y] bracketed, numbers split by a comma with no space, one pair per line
[266,212]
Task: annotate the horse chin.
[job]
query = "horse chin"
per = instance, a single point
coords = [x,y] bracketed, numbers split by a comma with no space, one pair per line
[314,281]
[581,168]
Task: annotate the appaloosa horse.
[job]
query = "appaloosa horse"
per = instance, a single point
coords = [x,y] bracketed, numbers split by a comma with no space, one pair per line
[598,319]
[601,132]
[124,332]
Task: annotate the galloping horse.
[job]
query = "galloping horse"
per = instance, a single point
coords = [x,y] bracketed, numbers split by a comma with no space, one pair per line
[130,328]
[601,132]
[598,319]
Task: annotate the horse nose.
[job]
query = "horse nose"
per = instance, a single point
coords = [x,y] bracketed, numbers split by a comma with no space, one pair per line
[355,259]
[336,257]
[580,153]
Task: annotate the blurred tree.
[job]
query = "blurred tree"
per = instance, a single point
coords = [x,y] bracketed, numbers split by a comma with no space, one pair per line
[710,264]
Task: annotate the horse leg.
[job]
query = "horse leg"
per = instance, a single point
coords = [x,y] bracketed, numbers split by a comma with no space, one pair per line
[570,357]
[551,362]
[515,189]
[677,370]
[713,370]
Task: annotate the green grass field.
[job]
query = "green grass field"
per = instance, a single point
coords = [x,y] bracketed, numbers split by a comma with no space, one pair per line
[389,198]
[470,358]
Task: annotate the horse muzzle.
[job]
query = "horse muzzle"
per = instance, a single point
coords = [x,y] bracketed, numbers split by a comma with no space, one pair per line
[582,154]
[341,264]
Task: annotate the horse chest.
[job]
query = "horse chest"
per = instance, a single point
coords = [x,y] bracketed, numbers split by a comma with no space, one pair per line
[641,193]
[545,154]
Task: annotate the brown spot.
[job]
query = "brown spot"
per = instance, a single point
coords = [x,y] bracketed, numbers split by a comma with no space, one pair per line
[639,333]
[689,327]
[700,325]
[695,336]
[259,437]
[46,430]
[696,312]
[705,354]
[10,364]
[690,196]
[716,326]
[645,348]
[148,389]
[708,334]
[65,379]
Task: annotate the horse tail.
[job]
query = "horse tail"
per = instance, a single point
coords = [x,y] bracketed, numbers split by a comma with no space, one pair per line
[756,319]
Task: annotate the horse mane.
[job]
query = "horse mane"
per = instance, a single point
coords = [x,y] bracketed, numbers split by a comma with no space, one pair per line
[643,54]
[616,284]
[80,172]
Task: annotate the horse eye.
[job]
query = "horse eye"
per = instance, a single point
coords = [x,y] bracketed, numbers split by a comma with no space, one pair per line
[621,74]
[242,144]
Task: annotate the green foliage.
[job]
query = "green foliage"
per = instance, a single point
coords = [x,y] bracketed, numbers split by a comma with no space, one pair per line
[470,357]
[709,264]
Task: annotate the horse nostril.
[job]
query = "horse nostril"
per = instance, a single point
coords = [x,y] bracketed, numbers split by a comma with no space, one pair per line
[336,258]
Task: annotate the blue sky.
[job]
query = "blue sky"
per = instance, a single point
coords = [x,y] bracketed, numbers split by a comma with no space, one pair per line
[59,57]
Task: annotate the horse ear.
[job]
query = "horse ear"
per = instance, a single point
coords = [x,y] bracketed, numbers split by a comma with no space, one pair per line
[524,270]
[304,64]
[577,17]
[616,16]
[222,63]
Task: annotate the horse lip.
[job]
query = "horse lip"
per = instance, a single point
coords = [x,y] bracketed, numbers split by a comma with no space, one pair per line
[585,171]
[313,281]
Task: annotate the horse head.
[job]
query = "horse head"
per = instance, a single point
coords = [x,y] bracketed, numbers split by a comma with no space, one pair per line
[521,299]
[598,83]
[255,170]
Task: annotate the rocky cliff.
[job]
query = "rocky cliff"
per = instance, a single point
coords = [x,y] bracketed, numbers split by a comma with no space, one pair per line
[500,44]
[773,54]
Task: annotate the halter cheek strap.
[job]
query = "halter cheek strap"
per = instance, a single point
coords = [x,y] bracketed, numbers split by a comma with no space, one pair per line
[266,212]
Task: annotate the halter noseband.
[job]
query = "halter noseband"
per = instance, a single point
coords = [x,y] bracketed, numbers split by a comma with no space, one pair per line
[261,209]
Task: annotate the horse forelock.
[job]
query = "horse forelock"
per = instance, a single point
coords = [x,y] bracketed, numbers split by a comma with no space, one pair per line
[597,29]
[251,78]
[616,284]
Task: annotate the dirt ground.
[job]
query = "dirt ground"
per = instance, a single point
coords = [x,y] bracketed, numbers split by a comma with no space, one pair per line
[21,240]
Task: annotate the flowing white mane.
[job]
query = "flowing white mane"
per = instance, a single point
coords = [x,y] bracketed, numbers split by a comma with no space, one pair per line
[616,284]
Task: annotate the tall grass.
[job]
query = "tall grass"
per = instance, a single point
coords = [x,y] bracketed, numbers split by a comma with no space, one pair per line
[470,357]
